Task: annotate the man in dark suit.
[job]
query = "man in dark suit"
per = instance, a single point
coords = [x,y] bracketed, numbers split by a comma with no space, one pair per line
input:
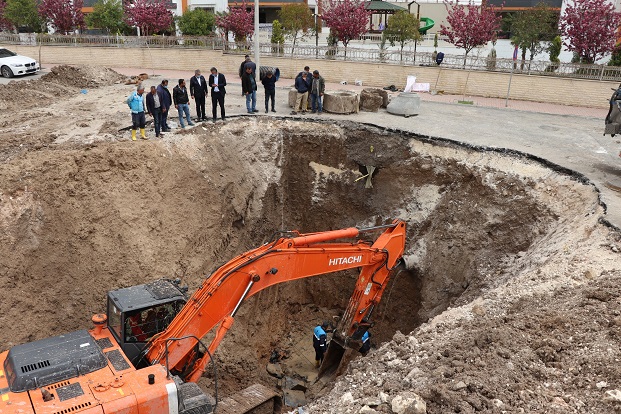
[198,90]
[165,102]
[217,82]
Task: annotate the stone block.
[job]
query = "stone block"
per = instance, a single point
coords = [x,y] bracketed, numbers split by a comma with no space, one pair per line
[293,95]
[341,102]
[406,104]
[370,101]
[377,91]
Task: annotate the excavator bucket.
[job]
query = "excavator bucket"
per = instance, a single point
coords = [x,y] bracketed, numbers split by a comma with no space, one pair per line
[336,359]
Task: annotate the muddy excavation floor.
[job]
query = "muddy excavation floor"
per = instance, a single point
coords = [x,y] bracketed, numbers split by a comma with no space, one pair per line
[512,300]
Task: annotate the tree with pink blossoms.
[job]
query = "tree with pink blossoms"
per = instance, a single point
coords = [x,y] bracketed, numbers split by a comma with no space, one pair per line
[239,20]
[151,16]
[64,16]
[590,27]
[470,25]
[347,19]
[4,23]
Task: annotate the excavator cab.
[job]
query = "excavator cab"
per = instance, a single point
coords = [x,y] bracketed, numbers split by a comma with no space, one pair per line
[137,313]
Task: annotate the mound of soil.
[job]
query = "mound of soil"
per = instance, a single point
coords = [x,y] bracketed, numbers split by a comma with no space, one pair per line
[83,76]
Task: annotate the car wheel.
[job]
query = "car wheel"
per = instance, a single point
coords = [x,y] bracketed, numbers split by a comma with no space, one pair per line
[6,72]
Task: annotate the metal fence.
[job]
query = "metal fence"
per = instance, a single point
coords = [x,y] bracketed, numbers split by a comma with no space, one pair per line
[357,54]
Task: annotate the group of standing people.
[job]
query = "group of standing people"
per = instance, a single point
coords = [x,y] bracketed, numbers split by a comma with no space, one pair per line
[307,83]
[159,100]
[247,74]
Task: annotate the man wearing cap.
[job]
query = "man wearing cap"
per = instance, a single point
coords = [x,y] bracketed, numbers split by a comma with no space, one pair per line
[198,91]
[135,101]
[217,82]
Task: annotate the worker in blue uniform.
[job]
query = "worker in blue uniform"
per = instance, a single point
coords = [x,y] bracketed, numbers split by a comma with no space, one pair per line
[320,342]
[366,343]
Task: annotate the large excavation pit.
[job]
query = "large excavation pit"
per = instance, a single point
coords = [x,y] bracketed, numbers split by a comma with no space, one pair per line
[78,219]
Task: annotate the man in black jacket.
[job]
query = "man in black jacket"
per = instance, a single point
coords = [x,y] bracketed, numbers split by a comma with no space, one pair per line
[154,108]
[249,89]
[269,83]
[217,81]
[165,102]
[198,91]
[181,100]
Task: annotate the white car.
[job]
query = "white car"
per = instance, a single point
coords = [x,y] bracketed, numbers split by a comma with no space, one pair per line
[12,64]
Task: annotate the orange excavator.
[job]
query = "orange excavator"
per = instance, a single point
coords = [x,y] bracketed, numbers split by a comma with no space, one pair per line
[146,354]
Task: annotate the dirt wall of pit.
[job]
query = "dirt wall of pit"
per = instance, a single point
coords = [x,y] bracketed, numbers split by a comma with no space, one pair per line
[452,81]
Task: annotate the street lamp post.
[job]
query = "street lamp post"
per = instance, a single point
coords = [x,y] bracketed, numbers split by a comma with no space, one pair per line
[316,15]
[257,43]
[417,18]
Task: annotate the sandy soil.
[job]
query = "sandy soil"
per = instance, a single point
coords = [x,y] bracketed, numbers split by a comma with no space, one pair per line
[510,304]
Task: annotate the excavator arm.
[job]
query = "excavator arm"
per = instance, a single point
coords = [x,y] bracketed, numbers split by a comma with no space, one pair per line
[216,302]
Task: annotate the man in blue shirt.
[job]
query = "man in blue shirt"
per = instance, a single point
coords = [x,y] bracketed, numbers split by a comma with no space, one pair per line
[136,105]
[301,101]
[320,342]
[366,343]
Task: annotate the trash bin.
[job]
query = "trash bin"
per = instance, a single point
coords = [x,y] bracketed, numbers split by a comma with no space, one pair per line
[264,69]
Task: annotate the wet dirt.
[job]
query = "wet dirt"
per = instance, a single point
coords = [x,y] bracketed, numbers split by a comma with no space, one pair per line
[511,289]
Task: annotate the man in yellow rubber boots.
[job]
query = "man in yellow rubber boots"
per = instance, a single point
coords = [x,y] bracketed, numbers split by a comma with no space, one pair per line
[135,101]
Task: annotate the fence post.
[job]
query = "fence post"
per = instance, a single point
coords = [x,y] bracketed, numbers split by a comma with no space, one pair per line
[601,74]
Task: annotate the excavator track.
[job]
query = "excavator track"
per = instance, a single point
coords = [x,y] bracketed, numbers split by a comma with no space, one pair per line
[256,399]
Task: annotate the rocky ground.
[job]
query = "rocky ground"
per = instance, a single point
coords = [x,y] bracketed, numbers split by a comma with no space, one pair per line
[510,302]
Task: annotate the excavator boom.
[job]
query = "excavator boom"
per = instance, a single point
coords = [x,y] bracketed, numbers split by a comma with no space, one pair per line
[215,303]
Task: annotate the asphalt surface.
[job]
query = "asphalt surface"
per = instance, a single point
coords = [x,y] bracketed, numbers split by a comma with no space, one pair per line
[4,81]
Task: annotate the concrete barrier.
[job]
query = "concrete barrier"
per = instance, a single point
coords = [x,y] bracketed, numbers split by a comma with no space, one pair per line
[406,104]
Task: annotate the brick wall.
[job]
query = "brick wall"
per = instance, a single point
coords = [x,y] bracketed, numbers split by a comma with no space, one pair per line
[488,84]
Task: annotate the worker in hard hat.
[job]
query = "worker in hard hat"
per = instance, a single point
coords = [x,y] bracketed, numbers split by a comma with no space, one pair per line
[320,342]
[366,343]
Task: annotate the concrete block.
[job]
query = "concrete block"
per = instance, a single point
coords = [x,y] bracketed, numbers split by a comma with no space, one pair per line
[341,102]
[406,104]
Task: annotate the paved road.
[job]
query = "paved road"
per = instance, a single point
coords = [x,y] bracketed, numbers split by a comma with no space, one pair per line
[4,81]
[561,134]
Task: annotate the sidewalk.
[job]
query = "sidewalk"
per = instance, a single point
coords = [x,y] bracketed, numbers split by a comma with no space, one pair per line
[479,101]
[565,135]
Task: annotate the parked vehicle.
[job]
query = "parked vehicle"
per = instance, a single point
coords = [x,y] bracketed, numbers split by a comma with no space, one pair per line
[12,64]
